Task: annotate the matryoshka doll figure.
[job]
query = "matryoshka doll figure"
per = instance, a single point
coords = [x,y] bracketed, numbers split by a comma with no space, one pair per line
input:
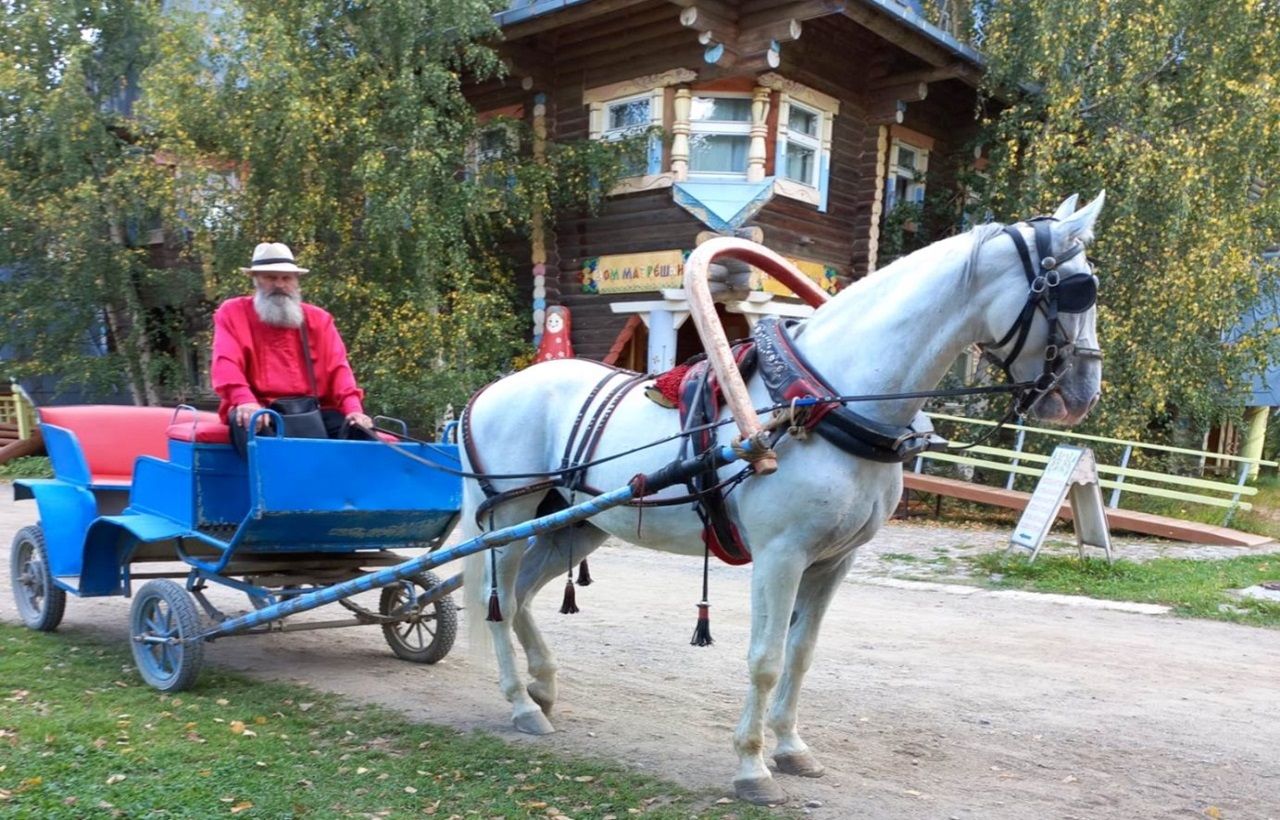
[555,336]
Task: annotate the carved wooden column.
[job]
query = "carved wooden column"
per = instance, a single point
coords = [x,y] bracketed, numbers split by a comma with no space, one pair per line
[680,134]
[756,153]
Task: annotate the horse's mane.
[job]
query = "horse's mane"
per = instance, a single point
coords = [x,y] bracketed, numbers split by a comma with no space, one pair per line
[980,236]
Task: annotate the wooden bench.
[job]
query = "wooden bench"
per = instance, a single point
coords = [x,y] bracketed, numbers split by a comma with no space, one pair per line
[1115,477]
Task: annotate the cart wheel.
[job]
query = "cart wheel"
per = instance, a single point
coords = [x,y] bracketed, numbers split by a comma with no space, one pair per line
[163,614]
[40,601]
[426,634]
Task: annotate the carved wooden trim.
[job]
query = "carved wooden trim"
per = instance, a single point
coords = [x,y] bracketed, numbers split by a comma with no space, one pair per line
[800,93]
[639,85]
[648,182]
[796,190]
[877,205]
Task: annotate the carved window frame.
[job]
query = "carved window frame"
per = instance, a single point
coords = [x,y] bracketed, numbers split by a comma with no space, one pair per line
[827,107]
[731,128]
[655,86]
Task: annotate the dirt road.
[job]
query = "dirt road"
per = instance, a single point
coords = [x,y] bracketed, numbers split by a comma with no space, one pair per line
[922,703]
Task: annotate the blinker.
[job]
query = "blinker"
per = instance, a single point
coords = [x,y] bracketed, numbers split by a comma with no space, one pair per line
[1077,293]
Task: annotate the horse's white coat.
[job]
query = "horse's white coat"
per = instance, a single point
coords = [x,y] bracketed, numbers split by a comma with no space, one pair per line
[896,330]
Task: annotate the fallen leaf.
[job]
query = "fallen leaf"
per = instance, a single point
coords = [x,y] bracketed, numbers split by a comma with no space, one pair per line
[583,778]
[239,807]
[222,701]
[237,727]
[410,790]
[305,707]
[1214,812]
[114,779]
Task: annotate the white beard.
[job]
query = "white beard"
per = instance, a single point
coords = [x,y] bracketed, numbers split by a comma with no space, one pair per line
[279,309]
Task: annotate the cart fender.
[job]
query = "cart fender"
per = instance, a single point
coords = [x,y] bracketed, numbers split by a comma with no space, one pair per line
[110,542]
[66,511]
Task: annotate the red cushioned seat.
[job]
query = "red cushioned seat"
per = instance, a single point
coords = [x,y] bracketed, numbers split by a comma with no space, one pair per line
[203,431]
[112,436]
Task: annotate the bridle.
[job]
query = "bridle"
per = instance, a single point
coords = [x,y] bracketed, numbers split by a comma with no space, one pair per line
[1050,294]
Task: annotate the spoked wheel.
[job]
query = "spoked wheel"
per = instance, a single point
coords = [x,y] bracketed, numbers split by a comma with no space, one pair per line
[163,614]
[41,603]
[426,631]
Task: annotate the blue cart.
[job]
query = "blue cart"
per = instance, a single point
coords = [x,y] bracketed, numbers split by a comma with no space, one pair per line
[138,489]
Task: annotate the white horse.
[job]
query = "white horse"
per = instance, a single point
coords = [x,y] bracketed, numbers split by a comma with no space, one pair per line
[897,330]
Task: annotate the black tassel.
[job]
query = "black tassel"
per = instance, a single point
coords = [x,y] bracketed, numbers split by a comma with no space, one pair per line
[495,611]
[570,604]
[584,574]
[702,632]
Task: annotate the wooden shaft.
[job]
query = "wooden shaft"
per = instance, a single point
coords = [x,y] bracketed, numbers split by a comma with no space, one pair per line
[703,311]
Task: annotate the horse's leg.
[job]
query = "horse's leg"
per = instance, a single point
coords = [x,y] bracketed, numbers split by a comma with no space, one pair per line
[550,556]
[817,587]
[525,713]
[774,580]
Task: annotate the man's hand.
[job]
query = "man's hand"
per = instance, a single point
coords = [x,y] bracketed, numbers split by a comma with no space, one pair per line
[360,420]
[243,412]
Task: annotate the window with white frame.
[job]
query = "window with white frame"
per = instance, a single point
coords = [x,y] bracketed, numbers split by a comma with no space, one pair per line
[800,145]
[805,123]
[719,134]
[626,118]
[491,145]
[905,181]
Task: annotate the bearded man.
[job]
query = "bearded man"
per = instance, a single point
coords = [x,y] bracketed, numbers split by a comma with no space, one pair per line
[258,352]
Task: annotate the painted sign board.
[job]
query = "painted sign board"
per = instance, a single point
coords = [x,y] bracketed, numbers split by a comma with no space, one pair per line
[1071,472]
[658,270]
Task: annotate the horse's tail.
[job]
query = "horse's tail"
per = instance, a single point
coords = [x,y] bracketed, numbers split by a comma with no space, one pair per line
[475,587]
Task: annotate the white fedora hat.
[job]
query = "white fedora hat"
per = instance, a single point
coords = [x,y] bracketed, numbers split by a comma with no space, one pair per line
[273,256]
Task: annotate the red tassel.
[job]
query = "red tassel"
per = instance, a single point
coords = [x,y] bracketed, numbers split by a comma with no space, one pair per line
[570,604]
[702,632]
[495,611]
[584,574]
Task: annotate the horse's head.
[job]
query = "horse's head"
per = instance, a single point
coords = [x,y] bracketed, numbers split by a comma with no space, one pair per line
[1043,319]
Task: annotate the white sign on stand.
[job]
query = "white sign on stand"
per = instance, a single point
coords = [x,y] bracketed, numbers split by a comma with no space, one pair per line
[1071,471]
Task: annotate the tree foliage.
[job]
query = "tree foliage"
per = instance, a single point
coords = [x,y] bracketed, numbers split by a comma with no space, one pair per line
[1172,106]
[77,199]
[341,129]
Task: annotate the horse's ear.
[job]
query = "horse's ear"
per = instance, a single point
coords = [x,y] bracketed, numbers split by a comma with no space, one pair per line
[1067,208]
[1080,223]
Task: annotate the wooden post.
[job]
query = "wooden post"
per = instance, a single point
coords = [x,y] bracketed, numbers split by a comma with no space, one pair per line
[680,134]
[756,153]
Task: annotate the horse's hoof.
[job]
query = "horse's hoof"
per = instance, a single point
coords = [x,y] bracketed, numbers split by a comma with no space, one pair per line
[803,764]
[762,791]
[533,723]
[540,697]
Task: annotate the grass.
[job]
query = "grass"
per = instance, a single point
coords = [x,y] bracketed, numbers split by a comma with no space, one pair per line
[27,467]
[1193,588]
[80,735]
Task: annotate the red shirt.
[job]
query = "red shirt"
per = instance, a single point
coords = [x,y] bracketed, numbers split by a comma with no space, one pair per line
[259,363]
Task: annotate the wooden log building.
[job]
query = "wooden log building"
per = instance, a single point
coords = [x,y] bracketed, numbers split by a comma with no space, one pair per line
[798,124]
